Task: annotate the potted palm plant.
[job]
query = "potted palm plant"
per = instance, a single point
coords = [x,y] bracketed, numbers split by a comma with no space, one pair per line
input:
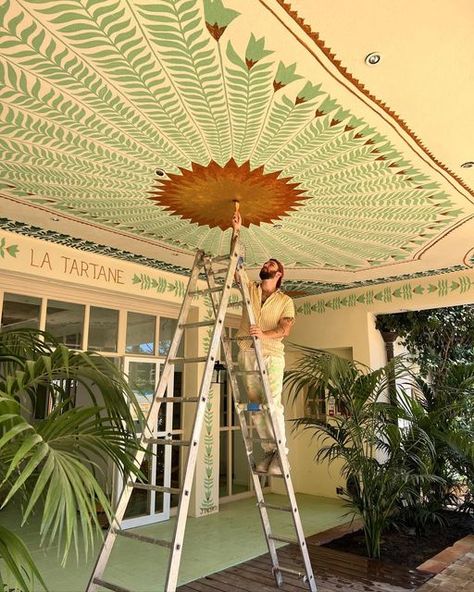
[51,465]
[383,459]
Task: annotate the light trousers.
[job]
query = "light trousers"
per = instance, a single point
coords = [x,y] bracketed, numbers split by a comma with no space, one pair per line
[275,366]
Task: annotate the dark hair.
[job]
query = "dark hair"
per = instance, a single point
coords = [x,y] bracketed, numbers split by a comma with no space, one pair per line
[281,269]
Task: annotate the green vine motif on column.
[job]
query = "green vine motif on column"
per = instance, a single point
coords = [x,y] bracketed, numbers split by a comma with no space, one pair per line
[12,250]
[208,504]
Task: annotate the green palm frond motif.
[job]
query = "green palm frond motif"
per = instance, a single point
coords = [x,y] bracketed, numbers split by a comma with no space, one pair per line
[176,28]
[249,92]
[96,95]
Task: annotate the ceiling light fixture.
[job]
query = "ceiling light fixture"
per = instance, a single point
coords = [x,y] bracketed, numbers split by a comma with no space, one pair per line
[373,58]
[468,164]
[55,219]
[160,172]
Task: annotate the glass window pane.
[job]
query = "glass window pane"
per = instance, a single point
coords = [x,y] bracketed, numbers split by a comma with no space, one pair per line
[65,321]
[20,312]
[167,330]
[223,468]
[140,500]
[176,453]
[240,467]
[142,380]
[140,333]
[177,392]
[103,329]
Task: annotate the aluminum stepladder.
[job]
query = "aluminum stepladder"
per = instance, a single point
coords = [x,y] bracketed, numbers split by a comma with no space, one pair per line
[219,293]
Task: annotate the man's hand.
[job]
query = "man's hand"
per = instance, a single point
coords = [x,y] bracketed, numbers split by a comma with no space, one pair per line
[255,331]
[236,221]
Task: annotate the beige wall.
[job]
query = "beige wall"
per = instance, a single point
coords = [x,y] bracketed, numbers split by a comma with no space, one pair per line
[346,319]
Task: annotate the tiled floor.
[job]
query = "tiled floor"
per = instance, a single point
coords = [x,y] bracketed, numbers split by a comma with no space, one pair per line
[212,543]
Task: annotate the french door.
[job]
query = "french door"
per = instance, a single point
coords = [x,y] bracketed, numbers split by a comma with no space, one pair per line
[147,507]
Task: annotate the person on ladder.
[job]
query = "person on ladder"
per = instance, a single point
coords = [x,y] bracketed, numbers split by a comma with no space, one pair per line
[275,314]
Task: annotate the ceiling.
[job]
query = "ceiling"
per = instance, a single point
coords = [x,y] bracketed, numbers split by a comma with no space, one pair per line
[132,125]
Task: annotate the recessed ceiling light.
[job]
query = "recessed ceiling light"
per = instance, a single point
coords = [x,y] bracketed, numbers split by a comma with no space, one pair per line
[468,164]
[160,172]
[278,226]
[373,58]
[55,219]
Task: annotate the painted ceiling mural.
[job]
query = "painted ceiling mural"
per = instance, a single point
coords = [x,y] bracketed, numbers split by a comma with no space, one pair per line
[151,117]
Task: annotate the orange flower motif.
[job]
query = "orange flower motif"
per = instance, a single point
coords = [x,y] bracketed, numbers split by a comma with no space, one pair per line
[205,194]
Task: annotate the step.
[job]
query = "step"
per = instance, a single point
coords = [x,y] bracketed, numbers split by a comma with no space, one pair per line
[110,586]
[197,324]
[278,508]
[144,539]
[220,258]
[293,572]
[177,399]
[188,360]
[159,488]
[283,539]
[252,407]
[167,442]
[206,291]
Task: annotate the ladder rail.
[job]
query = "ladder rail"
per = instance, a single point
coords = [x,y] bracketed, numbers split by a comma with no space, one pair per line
[178,536]
[271,410]
[148,432]
[246,437]
[219,305]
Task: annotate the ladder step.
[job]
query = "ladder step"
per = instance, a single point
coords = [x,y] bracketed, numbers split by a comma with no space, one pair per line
[144,539]
[159,488]
[293,572]
[188,360]
[110,586]
[283,539]
[220,258]
[206,291]
[167,442]
[252,407]
[177,399]
[279,508]
[197,324]
[235,304]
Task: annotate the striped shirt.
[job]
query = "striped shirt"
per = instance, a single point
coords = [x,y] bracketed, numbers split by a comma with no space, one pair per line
[267,316]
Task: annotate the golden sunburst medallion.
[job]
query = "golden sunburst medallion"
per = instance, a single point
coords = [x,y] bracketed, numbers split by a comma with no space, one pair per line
[205,194]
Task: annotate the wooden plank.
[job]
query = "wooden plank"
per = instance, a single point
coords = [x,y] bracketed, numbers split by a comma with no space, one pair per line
[335,571]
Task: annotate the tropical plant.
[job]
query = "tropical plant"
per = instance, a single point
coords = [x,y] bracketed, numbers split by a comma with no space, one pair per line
[436,338]
[50,465]
[444,412]
[382,461]
[441,342]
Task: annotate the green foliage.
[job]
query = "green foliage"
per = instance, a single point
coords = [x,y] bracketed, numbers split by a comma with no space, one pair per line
[436,338]
[216,13]
[286,74]
[50,465]
[441,343]
[381,461]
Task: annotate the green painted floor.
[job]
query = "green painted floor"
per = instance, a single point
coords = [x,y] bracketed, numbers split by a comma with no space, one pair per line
[212,543]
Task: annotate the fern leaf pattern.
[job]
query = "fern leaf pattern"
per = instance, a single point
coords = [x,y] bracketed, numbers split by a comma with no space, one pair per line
[176,27]
[96,95]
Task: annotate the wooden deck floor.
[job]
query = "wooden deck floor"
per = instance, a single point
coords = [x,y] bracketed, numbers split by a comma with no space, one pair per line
[335,572]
